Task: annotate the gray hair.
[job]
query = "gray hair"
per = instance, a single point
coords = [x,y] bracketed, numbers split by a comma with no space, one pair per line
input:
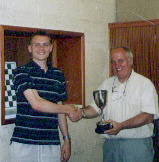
[127,50]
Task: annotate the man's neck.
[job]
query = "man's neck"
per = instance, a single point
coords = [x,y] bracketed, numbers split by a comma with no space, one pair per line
[122,80]
[42,64]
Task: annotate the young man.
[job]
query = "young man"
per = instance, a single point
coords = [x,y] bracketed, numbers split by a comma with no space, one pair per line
[132,104]
[40,90]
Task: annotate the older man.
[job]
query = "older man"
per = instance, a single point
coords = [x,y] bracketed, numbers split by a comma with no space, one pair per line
[132,104]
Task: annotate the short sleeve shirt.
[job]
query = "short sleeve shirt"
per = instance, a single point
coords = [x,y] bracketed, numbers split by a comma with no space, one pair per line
[128,99]
[34,127]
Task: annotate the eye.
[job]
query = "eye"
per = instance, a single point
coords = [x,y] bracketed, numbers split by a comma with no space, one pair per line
[36,44]
[46,44]
[120,60]
[113,62]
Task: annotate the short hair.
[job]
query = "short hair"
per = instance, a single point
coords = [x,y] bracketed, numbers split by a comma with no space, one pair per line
[127,50]
[41,33]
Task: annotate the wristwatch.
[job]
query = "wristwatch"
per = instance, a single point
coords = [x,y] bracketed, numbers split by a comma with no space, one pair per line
[67,136]
[83,113]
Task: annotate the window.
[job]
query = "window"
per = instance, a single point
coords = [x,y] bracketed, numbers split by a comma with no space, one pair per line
[67,55]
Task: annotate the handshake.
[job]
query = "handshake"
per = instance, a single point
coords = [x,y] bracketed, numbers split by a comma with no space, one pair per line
[74,113]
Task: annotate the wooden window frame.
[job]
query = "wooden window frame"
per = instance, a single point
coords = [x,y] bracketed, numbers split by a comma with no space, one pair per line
[57,35]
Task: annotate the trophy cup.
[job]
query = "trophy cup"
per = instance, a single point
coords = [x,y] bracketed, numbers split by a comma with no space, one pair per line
[100,97]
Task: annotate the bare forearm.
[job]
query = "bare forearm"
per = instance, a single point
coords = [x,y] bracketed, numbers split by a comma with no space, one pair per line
[138,121]
[90,112]
[50,107]
[66,148]
[63,124]
[43,105]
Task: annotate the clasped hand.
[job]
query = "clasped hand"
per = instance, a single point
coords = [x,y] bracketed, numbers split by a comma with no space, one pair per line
[75,113]
[117,127]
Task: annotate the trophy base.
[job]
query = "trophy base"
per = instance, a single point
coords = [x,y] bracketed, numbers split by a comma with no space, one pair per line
[101,128]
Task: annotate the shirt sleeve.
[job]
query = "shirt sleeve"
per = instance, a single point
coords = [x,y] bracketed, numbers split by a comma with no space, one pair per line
[63,90]
[149,99]
[22,81]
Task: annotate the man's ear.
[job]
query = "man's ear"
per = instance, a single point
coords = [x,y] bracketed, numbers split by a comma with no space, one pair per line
[51,47]
[131,61]
[29,48]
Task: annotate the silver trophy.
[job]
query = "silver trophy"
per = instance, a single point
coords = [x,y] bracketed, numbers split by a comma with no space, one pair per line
[100,98]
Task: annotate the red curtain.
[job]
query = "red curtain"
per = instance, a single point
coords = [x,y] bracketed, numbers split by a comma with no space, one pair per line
[143,40]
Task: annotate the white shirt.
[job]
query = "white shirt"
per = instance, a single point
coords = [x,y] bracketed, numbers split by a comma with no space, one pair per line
[128,99]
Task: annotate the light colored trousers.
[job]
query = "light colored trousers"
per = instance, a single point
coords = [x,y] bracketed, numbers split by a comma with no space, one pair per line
[128,150]
[20,152]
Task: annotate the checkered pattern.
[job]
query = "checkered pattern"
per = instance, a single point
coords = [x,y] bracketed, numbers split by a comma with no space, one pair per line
[10,97]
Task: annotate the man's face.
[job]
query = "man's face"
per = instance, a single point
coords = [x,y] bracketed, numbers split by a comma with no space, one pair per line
[121,64]
[40,48]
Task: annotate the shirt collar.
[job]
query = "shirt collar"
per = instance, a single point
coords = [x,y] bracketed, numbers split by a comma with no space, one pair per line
[131,75]
[35,65]
[116,80]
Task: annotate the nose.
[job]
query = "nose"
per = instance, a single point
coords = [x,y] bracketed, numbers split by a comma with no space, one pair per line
[41,47]
[117,64]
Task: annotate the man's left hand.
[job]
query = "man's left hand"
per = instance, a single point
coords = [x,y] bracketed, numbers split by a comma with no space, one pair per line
[66,151]
[117,127]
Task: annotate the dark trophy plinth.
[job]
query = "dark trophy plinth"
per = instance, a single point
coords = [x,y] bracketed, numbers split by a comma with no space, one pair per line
[100,98]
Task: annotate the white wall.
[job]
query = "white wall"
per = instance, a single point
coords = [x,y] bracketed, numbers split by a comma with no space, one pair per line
[88,16]
[134,10]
